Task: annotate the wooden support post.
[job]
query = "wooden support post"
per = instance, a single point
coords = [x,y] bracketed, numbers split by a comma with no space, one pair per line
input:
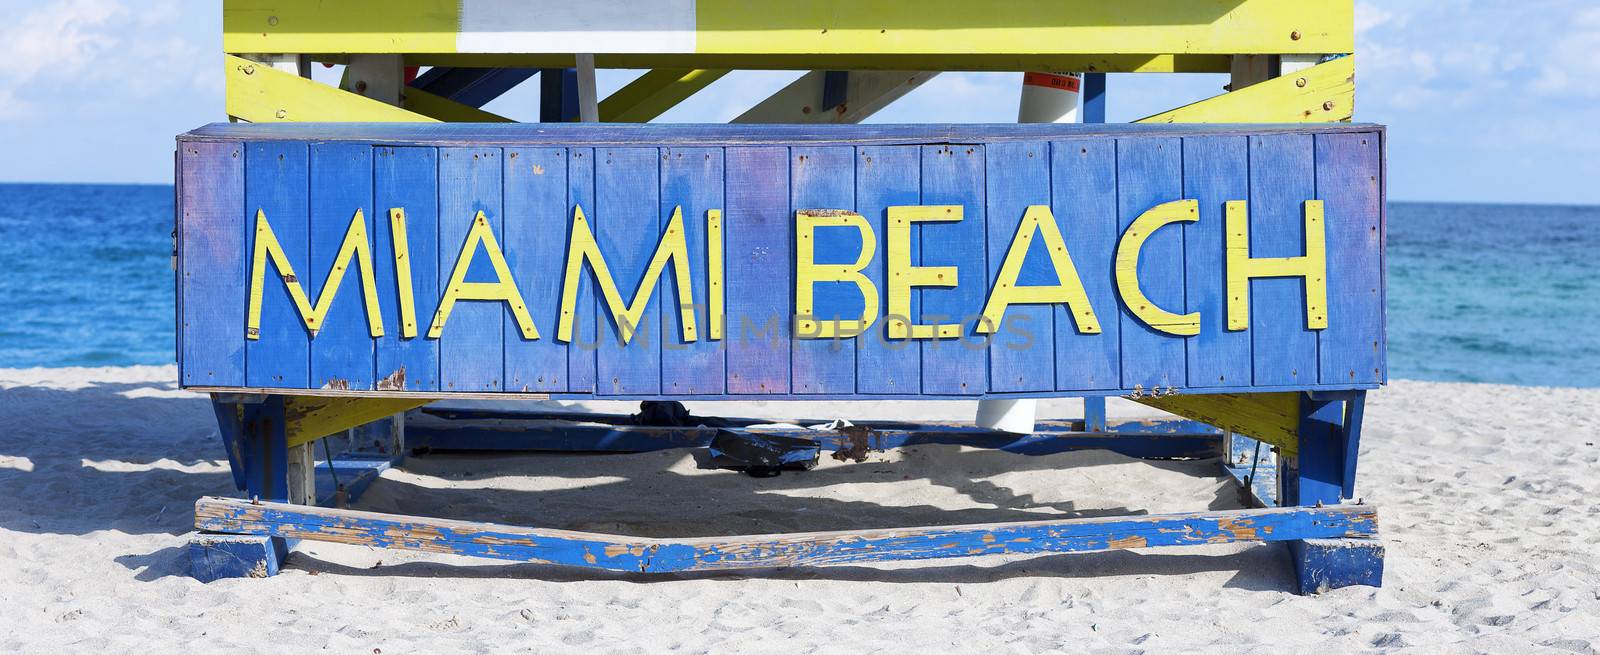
[1315,477]
[558,95]
[1094,414]
[588,103]
[302,474]
[1094,97]
[258,451]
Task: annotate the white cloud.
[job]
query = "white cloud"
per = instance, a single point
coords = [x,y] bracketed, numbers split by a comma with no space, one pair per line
[62,51]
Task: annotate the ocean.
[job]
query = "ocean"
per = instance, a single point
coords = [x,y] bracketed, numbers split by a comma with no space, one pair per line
[1477,293]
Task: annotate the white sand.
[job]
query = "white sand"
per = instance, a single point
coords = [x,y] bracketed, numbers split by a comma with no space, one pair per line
[1487,495]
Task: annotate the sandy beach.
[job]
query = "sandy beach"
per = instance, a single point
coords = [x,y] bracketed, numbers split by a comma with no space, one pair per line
[1486,495]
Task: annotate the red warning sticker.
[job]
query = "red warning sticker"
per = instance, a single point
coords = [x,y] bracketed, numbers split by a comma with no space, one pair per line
[1052,80]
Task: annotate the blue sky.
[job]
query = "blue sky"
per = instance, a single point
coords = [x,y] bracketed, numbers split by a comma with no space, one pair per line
[1485,101]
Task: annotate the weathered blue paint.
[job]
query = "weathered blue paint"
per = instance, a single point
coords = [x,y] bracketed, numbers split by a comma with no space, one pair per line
[1215,170]
[210,188]
[276,187]
[1095,179]
[1018,176]
[1324,564]
[342,354]
[407,178]
[691,180]
[887,177]
[627,226]
[215,557]
[472,346]
[536,211]
[823,178]
[1150,172]
[645,555]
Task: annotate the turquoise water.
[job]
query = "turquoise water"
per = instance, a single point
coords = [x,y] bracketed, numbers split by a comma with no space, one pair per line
[1480,293]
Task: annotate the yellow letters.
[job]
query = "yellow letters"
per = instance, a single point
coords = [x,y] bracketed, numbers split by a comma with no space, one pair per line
[903,276]
[807,273]
[1183,325]
[503,289]
[355,244]
[402,271]
[1068,290]
[1312,267]
[583,248]
[715,291]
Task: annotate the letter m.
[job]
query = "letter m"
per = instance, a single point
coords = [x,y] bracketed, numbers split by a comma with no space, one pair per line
[355,245]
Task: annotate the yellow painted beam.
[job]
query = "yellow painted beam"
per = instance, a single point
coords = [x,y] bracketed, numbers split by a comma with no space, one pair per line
[1018,28]
[654,93]
[1323,93]
[1270,417]
[1094,63]
[444,109]
[261,94]
[308,418]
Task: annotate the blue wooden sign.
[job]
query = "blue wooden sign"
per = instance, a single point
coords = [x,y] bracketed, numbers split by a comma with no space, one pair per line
[781,261]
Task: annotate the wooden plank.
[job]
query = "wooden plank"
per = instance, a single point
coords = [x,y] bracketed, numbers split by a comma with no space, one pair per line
[1282,178]
[1149,172]
[655,92]
[261,94]
[646,555]
[686,135]
[953,175]
[1349,184]
[471,348]
[866,92]
[1083,188]
[342,352]
[627,188]
[691,181]
[1216,169]
[535,227]
[1324,93]
[1269,417]
[211,197]
[308,418]
[824,178]
[407,179]
[1016,30]
[276,186]
[1022,354]
[758,236]
[887,176]
[581,352]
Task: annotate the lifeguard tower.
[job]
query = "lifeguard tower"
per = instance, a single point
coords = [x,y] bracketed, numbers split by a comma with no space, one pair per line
[1221,261]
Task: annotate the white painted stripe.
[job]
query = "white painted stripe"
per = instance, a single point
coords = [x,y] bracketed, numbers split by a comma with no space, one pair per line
[576,26]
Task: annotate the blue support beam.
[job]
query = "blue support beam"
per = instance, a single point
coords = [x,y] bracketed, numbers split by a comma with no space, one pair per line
[558,95]
[1322,475]
[471,86]
[1094,97]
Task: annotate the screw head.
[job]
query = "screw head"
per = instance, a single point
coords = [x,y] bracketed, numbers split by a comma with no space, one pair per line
[1301,82]
[248,70]
[1327,106]
[361,86]
[283,113]
[1294,36]
[272,20]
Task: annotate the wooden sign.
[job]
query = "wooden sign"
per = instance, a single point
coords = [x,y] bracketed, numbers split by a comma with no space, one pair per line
[788,261]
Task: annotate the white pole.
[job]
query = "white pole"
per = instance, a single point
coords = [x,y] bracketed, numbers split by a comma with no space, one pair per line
[588,106]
